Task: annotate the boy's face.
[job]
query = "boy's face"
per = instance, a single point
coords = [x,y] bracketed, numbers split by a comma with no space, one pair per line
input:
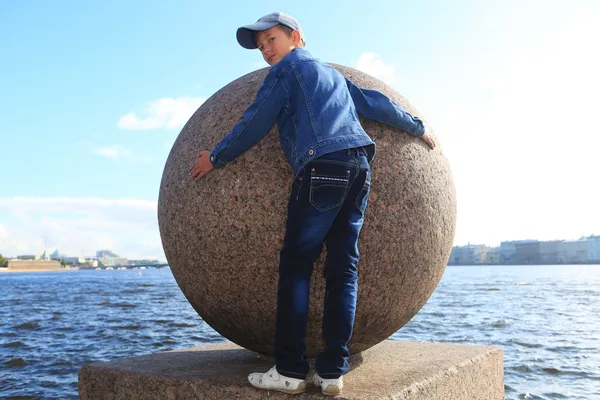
[274,44]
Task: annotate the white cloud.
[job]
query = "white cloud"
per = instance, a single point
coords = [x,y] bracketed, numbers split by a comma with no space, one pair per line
[166,113]
[72,225]
[372,64]
[111,151]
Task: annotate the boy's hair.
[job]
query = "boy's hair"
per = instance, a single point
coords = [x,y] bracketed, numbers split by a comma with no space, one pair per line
[288,31]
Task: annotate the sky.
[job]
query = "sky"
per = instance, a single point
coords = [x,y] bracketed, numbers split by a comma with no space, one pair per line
[94,94]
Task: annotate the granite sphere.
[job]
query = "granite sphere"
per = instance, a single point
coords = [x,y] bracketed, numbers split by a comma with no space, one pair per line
[222,235]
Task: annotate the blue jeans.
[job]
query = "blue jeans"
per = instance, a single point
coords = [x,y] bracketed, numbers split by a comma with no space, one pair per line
[327,204]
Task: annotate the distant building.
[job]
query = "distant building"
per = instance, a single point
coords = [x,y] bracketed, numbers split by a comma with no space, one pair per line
[28,257]
[549,252]
[527,252]
[73,260]
[593,243]
[480,253]
[109,259]
[468,255]
[493,256]
[56,255]
[92,262]
[508,250]
[45,255]
[458,256]
[105,254]
[573,252]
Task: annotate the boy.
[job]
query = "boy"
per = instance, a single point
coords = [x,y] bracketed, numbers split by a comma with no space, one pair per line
[316,111]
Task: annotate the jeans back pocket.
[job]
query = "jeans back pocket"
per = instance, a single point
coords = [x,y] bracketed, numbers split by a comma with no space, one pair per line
[328,187]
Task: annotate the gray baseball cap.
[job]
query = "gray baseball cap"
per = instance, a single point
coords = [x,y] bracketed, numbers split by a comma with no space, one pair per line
[245,34]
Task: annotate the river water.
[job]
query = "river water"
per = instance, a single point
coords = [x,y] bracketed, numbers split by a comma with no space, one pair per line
[546,319]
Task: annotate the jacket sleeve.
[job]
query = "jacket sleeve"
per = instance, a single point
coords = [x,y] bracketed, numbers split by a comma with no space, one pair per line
[256,122]
[375,105]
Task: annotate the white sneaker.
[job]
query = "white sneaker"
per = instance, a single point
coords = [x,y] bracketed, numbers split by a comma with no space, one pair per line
[272,380]
[329,387]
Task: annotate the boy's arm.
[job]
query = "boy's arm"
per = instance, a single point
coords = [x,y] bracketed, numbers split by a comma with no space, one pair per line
[256,122]
[375,105]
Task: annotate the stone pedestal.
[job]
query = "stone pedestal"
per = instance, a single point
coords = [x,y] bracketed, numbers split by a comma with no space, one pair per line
[389,370]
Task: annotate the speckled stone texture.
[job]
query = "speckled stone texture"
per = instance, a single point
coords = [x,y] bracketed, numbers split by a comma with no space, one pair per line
[391,370]
[222,235]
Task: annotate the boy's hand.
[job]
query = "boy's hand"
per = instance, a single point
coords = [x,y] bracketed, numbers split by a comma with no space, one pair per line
[202,166]
[429,140]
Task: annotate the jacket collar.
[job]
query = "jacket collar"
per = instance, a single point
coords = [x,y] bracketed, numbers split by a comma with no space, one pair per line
[294,55]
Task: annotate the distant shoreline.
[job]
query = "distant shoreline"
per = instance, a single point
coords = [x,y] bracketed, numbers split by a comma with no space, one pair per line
[38,270]
[522,265]
[6,270]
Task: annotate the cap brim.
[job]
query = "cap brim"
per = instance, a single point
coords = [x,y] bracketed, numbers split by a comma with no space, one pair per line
[245,34]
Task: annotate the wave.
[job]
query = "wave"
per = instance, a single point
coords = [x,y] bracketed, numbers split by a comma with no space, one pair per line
[532,396]
[502,323]
[13,344]
[116,305]
[181,325]
[133,291]
[126,305]
[525,344]
[130,327]
[523,368]
[557,371]
[34,325]
[16,362]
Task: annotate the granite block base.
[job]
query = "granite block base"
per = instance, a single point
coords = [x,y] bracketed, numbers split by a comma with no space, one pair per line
[389,370]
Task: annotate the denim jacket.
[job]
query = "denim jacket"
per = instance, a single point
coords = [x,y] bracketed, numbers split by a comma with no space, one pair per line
[316,110]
